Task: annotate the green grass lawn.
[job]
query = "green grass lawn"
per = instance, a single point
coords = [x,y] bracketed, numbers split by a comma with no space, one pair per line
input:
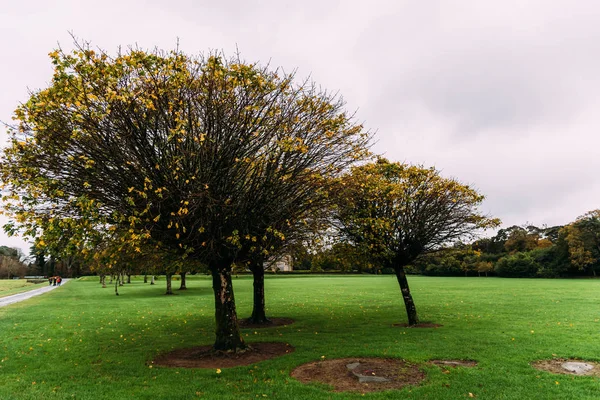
[81,341]
[14,286]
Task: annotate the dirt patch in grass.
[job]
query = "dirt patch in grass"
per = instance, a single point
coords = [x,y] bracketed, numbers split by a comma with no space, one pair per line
[454,363]
[206,357]
[245,323]
[339,374]
[420,325]
[557,366]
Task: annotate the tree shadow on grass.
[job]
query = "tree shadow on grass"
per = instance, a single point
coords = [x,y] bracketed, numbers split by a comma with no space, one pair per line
[156,291]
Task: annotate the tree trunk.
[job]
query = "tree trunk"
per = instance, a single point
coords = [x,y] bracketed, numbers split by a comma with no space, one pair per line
[258,310]
[411,310]
[117,287]
[152,280]
[182,286]
[103,279]
[52,266]
[228,335]
[120,279]
[169,289]
[145,277]
[128,278]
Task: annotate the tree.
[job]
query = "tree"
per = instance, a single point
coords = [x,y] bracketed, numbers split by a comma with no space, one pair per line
[456,260]
[517,265]
[300,256]
[181,152]
[552,233]
[485,267]
[261,252]
[11,263]
[497,243]
[399,212]
[522,239]
[186,268]
[39,256]
[583,239]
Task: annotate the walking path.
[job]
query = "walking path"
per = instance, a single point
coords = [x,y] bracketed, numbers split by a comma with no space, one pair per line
[4,301]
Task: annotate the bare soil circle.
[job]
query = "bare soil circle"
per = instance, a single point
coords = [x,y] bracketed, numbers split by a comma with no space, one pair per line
[245,323]
[555,366]
[206,357]
[337,374]
[420,325]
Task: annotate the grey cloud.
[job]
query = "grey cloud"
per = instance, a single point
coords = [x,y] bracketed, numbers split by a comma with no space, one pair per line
[489,74]
[503,95]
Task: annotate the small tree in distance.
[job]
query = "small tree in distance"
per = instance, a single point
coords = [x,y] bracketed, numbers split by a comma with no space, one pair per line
[397,212]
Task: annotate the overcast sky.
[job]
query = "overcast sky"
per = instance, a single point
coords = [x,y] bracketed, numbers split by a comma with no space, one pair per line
[503,95]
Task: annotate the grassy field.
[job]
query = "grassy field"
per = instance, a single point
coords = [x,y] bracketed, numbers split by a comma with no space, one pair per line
[13,286]
[80,341]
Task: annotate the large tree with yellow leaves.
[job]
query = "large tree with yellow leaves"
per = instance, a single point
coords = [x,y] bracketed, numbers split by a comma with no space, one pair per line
[396,212]
[201,156]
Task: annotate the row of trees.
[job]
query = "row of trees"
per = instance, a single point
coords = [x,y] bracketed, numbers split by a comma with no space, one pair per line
[524,251]
[518,251]
[14,263]
[154,158]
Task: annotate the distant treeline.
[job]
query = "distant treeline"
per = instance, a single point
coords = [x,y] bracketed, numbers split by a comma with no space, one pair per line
[528,251]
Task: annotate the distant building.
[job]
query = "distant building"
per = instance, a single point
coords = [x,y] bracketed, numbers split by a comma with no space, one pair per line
[281,263]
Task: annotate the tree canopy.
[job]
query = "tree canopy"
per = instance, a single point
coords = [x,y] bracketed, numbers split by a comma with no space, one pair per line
[199,156]
[583,240]
[397,212]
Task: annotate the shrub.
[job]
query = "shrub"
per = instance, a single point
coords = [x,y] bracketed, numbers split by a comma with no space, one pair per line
[518,265]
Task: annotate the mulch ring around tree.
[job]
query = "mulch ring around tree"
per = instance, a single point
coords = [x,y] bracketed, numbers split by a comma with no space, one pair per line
[569,367]
[360,374]
[245,323]
[206,357]
[419,325]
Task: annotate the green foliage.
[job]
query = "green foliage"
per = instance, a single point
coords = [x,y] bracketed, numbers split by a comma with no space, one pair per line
[583,240]
[551,263]
[458,260]
[10,252]
[520,240]
[301,257]
[518,265]
[526,251]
